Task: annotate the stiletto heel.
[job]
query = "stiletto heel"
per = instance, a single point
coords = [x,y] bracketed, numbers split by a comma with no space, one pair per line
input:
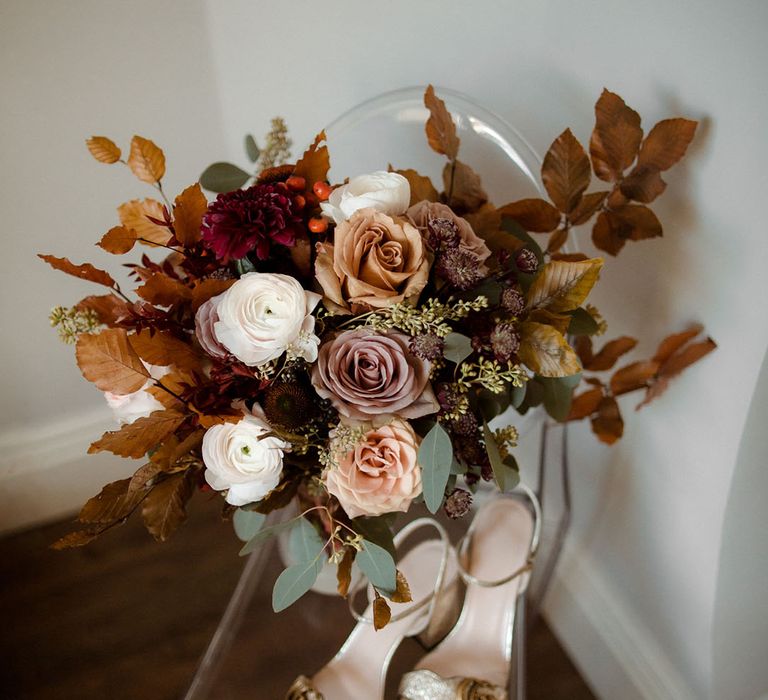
[495,559]
[359,668]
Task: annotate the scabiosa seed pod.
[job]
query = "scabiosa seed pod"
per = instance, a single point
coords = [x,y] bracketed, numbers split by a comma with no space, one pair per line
[458,503]
[427,346]
[512,300]
[526,261]
[505,341]
[459,268]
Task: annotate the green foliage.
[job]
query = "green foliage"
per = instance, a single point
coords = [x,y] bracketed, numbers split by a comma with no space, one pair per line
[435,457]
[223,177]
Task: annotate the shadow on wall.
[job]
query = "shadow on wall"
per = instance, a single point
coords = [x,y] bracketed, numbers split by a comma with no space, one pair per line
[740,632]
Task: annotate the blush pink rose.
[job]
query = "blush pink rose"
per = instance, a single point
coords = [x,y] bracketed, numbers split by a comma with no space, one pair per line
[380,475]
[366,374]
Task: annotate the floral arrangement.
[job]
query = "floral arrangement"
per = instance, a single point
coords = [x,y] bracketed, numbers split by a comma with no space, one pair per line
[344,348]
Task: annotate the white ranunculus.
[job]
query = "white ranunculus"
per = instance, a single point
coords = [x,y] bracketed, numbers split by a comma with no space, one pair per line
[263,315]
[238,459]
[388,193]
[139,404]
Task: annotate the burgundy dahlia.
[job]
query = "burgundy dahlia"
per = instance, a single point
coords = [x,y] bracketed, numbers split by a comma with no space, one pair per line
[242,221]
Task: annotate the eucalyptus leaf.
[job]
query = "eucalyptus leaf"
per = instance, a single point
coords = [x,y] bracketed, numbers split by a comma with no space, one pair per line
[435,457]
[558,394]
[247,523]
[377,530]
[378,565]
[457,347]
[294,582]
[457,468]
[582,323]
[266,533]
[251,149]
[494,457]
[244,266]
[517,395]
[223,177]
[304,543]
[491,404]
[512,476]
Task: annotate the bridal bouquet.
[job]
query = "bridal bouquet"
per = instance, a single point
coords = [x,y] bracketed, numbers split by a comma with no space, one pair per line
[344,347]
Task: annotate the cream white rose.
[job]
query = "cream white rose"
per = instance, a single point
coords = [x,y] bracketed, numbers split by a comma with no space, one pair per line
[388,193]
[127,408]
[239,460]
[263,315]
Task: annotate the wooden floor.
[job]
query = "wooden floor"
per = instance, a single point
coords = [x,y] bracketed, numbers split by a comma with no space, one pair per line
[128,618]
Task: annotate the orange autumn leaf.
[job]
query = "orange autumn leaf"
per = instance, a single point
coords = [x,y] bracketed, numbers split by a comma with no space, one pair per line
[421,186]
[643,185]
[672,343]
[146,160]
[610,353]
[585,404]
[344,572]
[666,143]
[114,502]
[207,289]
[381,613]
[441,131]
[587,207]
[608,424]
[209,420]
[463,186]
[188,210]
[118,240]
[109,308]
[137,438]
[565,172]
[161,290]
[103,149]
[136,215]
[164,509]
[108,360]
[557,240]
[313,166]
[86,271]
[536,215]
[634,376]
[616,137]
[164,349]
[630,222]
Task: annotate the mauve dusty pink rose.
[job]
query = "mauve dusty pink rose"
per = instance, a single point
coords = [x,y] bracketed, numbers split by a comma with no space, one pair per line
[380,475]
[205,317]
[366,374]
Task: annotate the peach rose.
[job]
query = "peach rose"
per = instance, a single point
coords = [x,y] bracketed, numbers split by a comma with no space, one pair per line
[424,213]
[375,261]
[380,475]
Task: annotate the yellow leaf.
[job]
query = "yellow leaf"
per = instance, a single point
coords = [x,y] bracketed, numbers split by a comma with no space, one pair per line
[103,149]
[108,360]
[563,286]
[188,210]
[133,215]
[146,160]
[544,350]
[314,164]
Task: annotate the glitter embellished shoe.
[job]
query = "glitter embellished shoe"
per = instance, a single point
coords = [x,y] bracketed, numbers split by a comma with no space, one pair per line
[495,557]
[359,669]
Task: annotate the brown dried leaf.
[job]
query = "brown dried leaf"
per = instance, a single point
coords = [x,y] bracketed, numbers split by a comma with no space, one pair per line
[544,350]
[666,143]
[143,475]
[486,221]
[188,210]
[631,222]
[137,438]
[108,360]
[135,215]
[207,289]
[402,592]
[178,382]
[381,613]
[569,257]
[344,572]
[586,207]
[421,186]
[616,137]
[78,538]
[313,166]
[161,290]
[565,172]
[103,149]
[464,187]
[114,502]
[563,286]
[146,161]
[165,507]
[536,215]
[610,353]
[109,308]
[118,240]
[585,404]
[608,424]
[582,344]
[634,376]
[672,343]
[557,240]
[686,357]
[441,131]
[208,420]
[86,271]
[301,254]
[164,349]
[643,185]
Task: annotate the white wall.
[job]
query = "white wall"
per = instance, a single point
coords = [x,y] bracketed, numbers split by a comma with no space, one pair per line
[642,563]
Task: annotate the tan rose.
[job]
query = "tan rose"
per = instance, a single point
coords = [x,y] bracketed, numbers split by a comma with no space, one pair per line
[374,261]
[380,474]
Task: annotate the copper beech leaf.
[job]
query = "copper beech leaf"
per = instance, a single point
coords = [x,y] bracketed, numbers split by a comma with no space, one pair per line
[616,137]
[402,592]
[137,438]
[381,613]
[672,343]
[585,404]
[162,290]
[565,172]
[557,240]
[301,254]
[165,508]
[637,375]
[188,210]
[86,271]
[610,353]
[103,149]
[344,572]
[463,187]
[118,240]
[108,360]
[536,215]
[165,349]
[137,215]
[109,308]
[608,424]
[544,350]
[562,286]
[666,143]
[115,502]
[421,186]
[586,208]
[630,222]
[79,538]
[146,160]
[441,131]
[207,289]
[643,185]
[313,166]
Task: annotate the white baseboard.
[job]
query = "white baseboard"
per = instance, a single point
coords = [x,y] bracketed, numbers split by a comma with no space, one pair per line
[613,650]
[45,473]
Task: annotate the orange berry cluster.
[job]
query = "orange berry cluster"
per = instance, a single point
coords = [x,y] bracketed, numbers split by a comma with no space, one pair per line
[321,190]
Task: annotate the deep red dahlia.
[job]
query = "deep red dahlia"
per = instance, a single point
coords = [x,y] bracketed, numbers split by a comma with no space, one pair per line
[242,221]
